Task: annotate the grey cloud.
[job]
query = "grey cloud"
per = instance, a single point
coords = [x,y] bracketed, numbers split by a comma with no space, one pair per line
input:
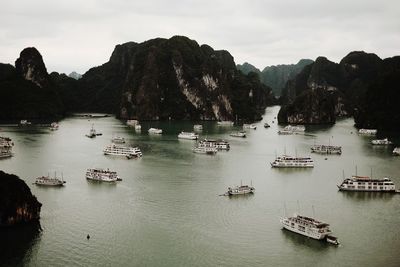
[77,35]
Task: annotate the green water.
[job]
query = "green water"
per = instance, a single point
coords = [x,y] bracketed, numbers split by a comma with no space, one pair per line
[167,210]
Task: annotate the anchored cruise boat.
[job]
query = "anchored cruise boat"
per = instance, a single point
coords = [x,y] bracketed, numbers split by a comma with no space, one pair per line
[97,174]
[367,184]
[118,139]
[308,227]
[54,126]
[48,181]
[381,142]
[188,135]
[154,131]
[396,151]
[5,147]
[225,123]
[367,131]
[249,126]
[117,150]
[238,134]
[326,149]
[218,144]
[286,161]
[240,190]
[205,150]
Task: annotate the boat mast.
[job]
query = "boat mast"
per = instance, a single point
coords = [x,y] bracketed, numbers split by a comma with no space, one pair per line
[298,207]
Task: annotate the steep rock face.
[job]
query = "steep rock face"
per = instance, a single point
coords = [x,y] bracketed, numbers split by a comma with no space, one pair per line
[31,67]
[17,204]
[170,79]
[347,84]
[30,92]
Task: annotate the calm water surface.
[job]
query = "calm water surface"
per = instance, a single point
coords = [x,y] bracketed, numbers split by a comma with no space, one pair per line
[167,210]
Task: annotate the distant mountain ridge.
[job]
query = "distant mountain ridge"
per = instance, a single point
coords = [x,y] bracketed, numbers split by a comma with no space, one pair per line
[277,76]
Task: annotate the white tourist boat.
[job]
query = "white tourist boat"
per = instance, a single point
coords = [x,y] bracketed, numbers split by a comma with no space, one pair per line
[188,135]
[240,190]
[198,127]
[249,126]
[138,127]
[97,174]
[219,144]
[367,131]
[284,132]
[6,145]
[54,126]
[307,226]
[118,139]
[367,184]
[225,123]
[5,152]
[381,142]
[295,128]
[205,150]
[49,181]
[396,151]
[326,149]
[154,131]
[132,123]
[286,161]
[6,142]
[238,134]
[25,122]
[124,151]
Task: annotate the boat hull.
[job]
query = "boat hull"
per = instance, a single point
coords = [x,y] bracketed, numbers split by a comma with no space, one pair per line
[366,190]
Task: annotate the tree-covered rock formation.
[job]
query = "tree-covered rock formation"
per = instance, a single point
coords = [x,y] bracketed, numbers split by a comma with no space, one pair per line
[277,76]
[347,88]
[155,80]
[27,89]
[173,79]
[17,204]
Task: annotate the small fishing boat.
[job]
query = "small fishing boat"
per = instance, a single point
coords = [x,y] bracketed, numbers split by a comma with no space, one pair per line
[332,240]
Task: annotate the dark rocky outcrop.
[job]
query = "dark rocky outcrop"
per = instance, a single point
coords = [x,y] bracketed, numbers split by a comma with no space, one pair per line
[28,90]
[155,80]
[277,76]
[17,204]
[348,87]
[380,107]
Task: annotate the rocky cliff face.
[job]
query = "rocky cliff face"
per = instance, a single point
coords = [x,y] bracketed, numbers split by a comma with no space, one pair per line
[173,79]
[17,204]
[31,67]
[344,85]
[29,89]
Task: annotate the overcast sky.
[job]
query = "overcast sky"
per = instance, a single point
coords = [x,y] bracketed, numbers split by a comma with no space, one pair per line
[80,34]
